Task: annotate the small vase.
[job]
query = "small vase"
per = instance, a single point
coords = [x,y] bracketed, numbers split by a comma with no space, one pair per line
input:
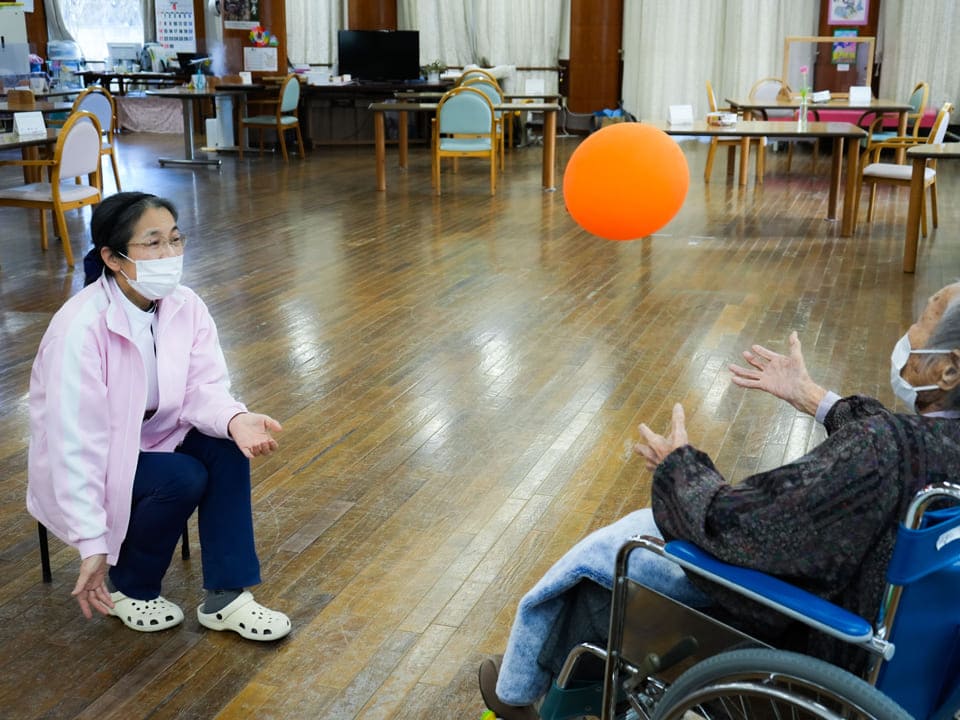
[802,114]
[433,78]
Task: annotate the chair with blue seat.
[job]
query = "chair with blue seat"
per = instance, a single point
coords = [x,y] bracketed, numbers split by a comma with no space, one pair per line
[873,121]
[669,662]
[283,119]
[464,126]
[495,94]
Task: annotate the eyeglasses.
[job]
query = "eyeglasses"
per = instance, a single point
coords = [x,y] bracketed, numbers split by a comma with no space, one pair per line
[176,244]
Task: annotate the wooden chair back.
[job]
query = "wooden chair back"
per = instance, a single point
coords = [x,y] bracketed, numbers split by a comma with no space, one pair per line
[21,99]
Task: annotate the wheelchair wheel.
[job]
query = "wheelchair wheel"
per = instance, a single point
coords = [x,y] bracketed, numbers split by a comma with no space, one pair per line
[760,683]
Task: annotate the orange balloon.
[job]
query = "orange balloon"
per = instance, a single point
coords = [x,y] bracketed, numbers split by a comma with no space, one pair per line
[625,181]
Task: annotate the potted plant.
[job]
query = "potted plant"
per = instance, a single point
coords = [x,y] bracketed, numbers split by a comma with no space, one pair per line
[433,70]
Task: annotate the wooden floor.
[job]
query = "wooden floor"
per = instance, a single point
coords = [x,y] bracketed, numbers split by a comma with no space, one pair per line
[459,380]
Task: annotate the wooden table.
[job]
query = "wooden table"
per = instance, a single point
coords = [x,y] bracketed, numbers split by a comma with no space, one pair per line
[549,111]
[840,132]
[187,96]
[879,106]
[29,146]
[44,106]
[131,78]
[920,154]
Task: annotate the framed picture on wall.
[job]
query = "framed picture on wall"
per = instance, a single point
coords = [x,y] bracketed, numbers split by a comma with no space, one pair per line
[847,12]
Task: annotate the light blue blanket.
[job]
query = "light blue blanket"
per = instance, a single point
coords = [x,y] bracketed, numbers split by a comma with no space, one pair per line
[522,681]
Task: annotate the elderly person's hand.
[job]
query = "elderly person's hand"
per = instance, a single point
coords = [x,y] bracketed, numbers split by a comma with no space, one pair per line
[91,588]
[783,376]
[654,447]
[252,433]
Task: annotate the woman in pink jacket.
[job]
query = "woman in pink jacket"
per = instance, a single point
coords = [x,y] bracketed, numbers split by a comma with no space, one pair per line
[133,427]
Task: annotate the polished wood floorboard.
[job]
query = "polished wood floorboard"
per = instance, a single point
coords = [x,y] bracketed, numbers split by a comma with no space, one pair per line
[459,380]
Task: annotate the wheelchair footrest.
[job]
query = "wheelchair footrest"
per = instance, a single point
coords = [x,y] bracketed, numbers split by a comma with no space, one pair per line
[773,592]
[574,701]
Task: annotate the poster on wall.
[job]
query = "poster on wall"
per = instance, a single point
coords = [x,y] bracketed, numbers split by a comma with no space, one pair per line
[176,29]
[843,52]
[847,12]
[241,14]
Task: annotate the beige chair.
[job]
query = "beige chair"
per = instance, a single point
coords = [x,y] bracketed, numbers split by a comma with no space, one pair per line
[464,126]
[731,143]
[284,118]
[76,154]
[770,89]
[97,100]
[21,99]
[875,173]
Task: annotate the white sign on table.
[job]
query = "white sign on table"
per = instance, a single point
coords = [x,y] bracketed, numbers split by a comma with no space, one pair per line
[29,123]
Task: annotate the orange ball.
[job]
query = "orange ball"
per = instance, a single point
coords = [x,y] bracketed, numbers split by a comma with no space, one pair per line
[625,181]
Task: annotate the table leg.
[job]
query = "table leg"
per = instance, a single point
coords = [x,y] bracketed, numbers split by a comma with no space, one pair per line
[380,140]
[744,159]
[913,216]
[836,168]
[190,157]
[402,140]
[549,150]
[901,152]
[850,200]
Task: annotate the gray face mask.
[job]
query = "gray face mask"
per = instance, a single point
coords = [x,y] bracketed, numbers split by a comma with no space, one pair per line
[898,360]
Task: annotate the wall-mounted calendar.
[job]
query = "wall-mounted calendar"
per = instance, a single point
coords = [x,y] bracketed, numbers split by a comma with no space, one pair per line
[176,29]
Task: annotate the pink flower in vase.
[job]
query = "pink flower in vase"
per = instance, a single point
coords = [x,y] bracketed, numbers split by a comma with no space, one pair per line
[803,80]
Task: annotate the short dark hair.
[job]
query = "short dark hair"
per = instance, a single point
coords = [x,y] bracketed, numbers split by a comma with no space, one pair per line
[111,226]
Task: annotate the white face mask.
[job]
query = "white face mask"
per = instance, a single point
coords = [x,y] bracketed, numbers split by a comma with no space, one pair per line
[156,278]
[898,360]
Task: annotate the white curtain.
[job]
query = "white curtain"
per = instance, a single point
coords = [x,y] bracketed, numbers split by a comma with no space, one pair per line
[312,30]
[920,43]
[732,43]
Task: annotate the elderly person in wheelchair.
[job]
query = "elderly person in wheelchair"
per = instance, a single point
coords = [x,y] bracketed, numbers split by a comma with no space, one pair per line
[847,523]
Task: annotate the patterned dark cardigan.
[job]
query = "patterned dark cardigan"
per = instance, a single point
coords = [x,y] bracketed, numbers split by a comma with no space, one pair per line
[826,522]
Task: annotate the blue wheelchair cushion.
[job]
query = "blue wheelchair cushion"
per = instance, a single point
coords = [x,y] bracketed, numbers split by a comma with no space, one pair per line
[931,548]
[772,592]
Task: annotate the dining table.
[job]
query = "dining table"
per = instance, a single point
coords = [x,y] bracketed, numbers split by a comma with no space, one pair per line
[919,156]
[29,146]
[404,107]
[187,97]
[836,109]
[842,133]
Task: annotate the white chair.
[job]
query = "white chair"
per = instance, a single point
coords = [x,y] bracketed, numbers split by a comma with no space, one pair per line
[77,154]
[875,173]
[97,100]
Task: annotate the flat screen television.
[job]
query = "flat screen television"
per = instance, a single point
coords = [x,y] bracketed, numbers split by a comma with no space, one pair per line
[379,54]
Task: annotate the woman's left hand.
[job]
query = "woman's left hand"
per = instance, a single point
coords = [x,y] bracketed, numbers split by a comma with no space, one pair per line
[252,433]
[654,447]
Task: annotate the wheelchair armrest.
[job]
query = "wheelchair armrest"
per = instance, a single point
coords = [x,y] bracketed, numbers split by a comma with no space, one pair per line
[773,592]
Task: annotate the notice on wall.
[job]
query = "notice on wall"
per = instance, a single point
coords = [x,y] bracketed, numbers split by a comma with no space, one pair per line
[241,14]
[176,29]
[260,59]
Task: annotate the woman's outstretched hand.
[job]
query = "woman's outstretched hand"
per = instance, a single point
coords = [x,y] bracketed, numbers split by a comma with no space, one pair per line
[783,376]
[654,447]
[252,432]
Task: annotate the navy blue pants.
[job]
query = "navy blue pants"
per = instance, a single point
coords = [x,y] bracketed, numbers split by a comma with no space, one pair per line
[206,474]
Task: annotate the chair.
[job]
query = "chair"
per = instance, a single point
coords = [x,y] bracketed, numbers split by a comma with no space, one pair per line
[875,173]
[47,573]
[666,660]
[731,143]
[465,126]
[285,118]
[770,89]
[478,73]
[77,153]
[97,100]
[495,94]
[21,99]
[876,133]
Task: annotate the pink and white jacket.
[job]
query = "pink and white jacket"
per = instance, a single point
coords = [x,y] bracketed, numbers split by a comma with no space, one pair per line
[88,394]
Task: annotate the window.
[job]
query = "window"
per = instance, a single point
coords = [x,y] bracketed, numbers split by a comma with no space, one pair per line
[94,23]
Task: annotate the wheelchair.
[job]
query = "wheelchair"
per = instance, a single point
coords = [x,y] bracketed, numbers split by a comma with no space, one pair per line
[666,661]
